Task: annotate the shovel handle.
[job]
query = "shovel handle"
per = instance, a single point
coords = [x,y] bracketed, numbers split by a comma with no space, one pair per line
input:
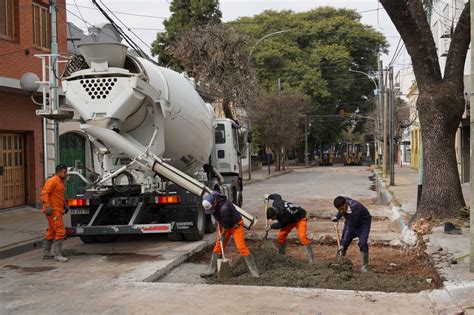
[220,240]
[337,234]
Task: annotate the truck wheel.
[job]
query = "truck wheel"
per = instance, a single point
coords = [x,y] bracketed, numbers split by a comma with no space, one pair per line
[176,237]
[106,238]
[211,223]
[199,225]
[88,239]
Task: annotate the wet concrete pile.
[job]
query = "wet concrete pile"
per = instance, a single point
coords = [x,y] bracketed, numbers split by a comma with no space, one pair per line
[286,271]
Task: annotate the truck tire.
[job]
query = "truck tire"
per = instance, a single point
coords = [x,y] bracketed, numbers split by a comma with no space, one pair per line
[175,237]
[88,239]
[106,238]
[199,225]
[211,224]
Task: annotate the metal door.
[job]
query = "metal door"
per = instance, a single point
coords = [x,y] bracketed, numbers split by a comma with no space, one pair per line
[12,170]
[72,153]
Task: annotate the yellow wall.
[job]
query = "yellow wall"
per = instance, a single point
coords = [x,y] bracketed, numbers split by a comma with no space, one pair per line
[415,148]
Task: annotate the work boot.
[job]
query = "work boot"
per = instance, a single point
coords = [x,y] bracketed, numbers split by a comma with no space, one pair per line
[282,249]
[365,262]
[212,267]
[58,251]
[47,249]
[309,251]
[251,265]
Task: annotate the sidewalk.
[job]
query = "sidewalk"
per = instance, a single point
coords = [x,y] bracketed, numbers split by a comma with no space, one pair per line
[21,230]
[406,185]
[449,253]
[262,174]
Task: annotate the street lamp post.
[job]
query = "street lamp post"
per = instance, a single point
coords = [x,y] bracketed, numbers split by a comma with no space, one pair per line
[377,91]
[306,134]
[248,111]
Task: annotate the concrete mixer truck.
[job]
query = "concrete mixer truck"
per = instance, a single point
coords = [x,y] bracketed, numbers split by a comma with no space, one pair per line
[156,147]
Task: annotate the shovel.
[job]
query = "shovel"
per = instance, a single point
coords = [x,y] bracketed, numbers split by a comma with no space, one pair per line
[265,216]
[223,266]
[338,252]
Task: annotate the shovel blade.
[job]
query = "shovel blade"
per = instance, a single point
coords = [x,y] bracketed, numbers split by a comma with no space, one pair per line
[223,269]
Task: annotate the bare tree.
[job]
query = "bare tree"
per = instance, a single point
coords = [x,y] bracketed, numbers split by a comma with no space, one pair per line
[278,119]
[440,103]
[217,56]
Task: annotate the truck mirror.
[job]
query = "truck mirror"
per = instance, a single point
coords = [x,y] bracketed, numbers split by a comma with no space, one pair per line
[249,136]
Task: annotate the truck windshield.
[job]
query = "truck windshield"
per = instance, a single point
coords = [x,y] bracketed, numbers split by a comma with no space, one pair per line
[220,133]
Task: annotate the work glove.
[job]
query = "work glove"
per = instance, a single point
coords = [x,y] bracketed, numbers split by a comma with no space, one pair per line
[268,228]
[265,196]
[66,209]
[334,219]
[48,211]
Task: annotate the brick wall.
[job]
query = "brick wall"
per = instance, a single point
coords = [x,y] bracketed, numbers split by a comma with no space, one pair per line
[18,116]
[17,111]
[14,62]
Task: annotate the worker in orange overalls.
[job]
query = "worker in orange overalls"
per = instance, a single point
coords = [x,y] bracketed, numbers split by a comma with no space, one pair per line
[289,216]
[230,224]
[54,207]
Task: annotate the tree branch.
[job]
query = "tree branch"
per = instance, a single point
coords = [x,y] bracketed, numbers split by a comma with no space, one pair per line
[454,69]
[410,20]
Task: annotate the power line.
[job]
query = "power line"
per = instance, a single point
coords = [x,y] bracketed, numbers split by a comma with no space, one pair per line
[123,13]
[86,22]
[128,39]
[396,50]
[16,51]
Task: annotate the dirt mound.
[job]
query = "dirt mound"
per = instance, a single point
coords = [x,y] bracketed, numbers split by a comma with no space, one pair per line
[286,271]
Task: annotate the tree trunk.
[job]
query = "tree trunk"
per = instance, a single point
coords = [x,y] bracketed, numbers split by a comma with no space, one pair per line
[440,110]
[226,105]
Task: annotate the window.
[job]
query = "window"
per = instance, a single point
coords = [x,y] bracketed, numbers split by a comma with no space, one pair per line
[220,133]
[6,19]
[41,26]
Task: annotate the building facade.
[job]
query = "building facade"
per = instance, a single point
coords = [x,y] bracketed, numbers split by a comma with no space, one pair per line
[25,30]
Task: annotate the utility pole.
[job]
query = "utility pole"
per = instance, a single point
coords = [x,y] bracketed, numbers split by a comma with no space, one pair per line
[392,129]
[53,75]
[381,104]
[306,162]
[385,153]
[471,259]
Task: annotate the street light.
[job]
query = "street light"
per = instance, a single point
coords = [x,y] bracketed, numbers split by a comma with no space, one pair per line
[377,91]
[248,111]
[369,76]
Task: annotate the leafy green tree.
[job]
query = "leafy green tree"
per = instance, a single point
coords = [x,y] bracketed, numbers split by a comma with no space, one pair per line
[313,57]
[185,14]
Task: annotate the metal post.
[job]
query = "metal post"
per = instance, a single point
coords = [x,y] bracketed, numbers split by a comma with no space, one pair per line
[249,148]
[471,169]
[392,129]
[306,141]
[53,75]
[381,104]
[385,130]
[420,171]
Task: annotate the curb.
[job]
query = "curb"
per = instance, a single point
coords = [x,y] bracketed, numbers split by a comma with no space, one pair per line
[248,182]
[408,236]
[178,260]
[21,248]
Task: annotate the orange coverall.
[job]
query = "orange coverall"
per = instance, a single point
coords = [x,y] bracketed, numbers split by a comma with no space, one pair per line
[300,227]
[52,196]
[239,239]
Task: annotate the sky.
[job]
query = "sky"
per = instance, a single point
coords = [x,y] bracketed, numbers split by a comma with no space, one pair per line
[150,14]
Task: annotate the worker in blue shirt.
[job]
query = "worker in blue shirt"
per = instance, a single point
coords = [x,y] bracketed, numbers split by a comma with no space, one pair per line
[357,224]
